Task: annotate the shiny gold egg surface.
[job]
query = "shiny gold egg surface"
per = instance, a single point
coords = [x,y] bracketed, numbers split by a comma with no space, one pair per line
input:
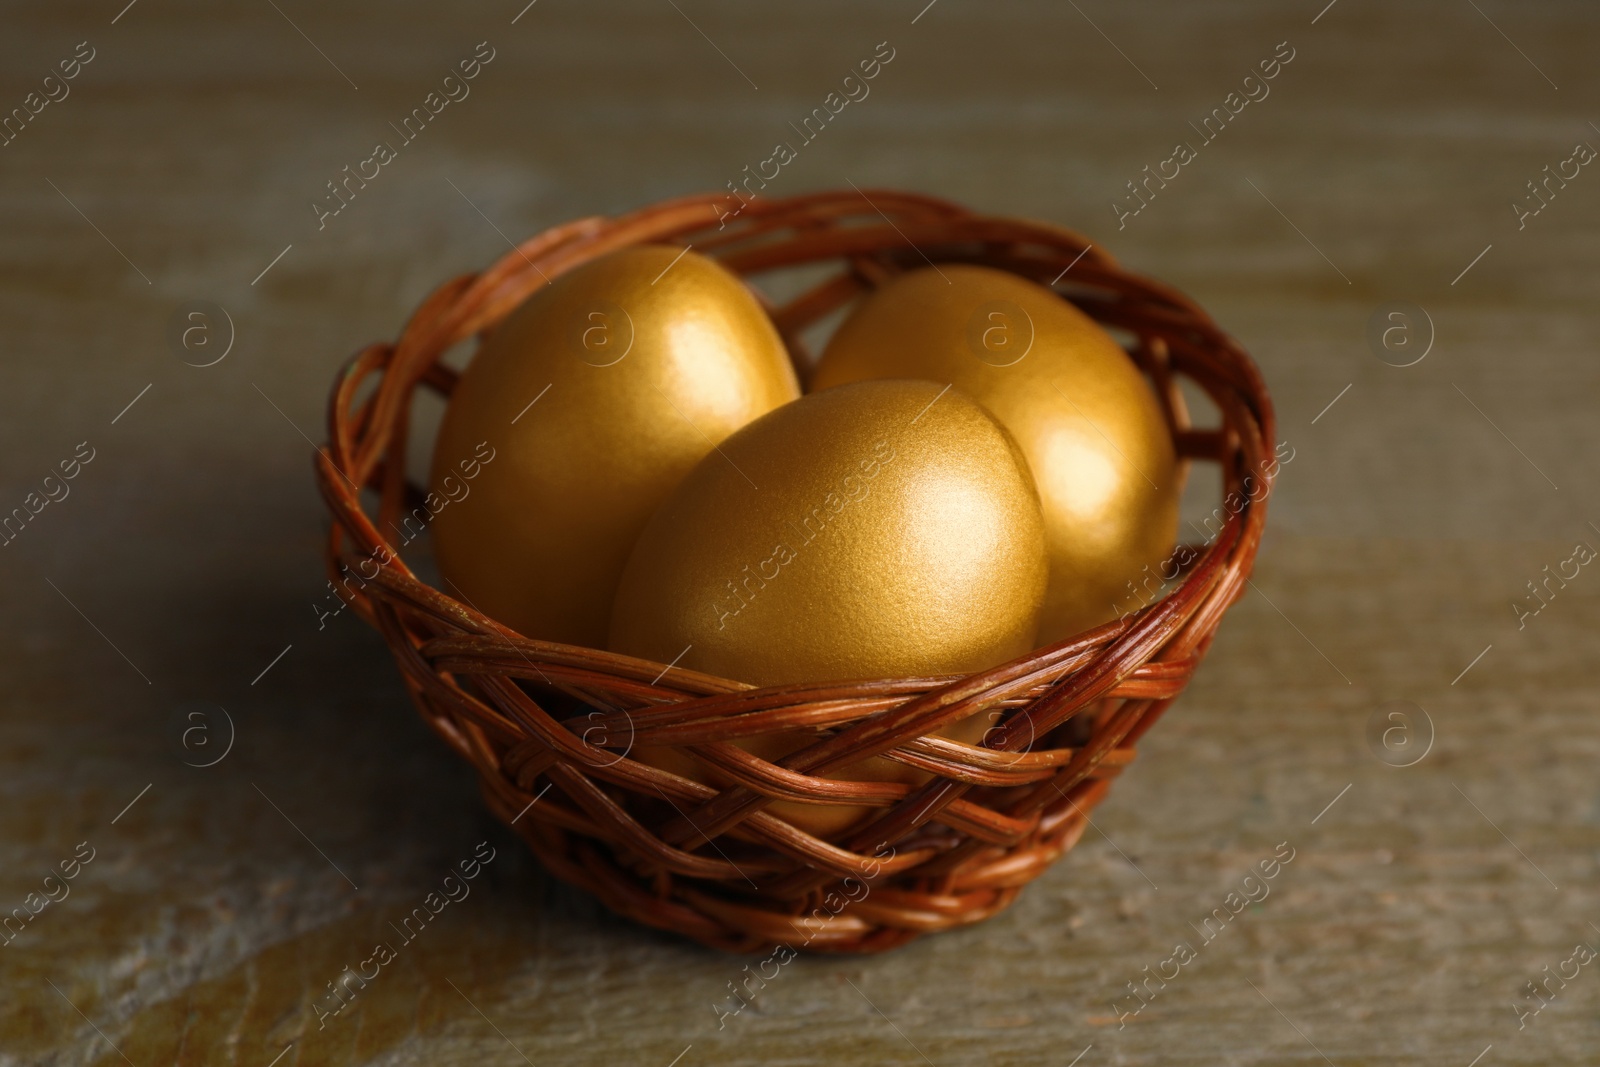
[1085,417]
[879,529]
[595,398]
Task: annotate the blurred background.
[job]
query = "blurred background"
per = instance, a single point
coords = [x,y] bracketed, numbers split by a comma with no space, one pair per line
[1400,155]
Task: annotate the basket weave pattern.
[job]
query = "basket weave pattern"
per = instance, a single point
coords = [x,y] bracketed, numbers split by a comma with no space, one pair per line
[549,727]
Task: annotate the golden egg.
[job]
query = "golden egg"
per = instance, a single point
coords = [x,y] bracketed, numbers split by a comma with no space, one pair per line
[594,398]
[1083,414]
[876,530]
[880,529]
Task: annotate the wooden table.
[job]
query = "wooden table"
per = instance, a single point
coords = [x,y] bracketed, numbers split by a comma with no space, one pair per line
[167,604]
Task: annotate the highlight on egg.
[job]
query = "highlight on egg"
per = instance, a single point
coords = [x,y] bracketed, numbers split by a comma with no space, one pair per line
[597,395]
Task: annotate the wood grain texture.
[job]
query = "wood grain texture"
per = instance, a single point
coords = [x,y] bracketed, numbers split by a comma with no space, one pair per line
[1416,509]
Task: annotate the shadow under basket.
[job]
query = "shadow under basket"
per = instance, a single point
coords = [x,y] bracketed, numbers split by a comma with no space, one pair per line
[550,727]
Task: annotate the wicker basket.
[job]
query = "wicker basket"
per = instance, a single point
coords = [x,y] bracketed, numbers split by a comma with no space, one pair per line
[549,726]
